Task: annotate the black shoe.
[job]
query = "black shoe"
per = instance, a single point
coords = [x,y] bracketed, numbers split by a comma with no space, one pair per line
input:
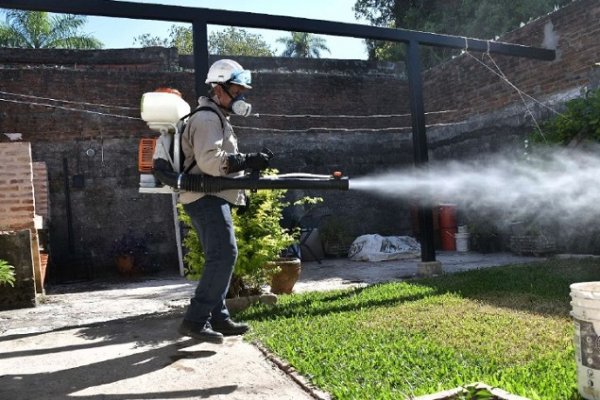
[229,328]
[201,332]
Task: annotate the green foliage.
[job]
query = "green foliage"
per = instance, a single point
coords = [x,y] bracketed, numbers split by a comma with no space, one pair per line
[484,19]
[7,274]
[303,45]
[473,392]
[238,42]
[39,29]
[194,256]
[500,326]
[179,37]
[231,41]
[580,121]
[260,239]
[147,40]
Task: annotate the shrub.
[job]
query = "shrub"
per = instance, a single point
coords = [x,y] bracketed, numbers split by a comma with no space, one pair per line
[580,120]
[7,274]
[260,239]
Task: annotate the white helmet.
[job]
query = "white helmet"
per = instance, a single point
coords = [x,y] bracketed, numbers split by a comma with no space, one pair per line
[229,71]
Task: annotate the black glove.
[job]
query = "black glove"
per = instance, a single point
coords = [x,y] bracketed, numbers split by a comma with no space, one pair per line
[257,161]
[253,161]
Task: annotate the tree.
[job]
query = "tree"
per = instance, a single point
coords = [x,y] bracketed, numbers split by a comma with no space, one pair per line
[231,41]
[485,19]
[303,45]
[179,37]
[38,29]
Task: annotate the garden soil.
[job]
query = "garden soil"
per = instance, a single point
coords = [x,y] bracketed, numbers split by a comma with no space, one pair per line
[118,339]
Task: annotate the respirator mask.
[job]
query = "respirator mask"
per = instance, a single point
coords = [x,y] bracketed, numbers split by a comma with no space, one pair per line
[238,104]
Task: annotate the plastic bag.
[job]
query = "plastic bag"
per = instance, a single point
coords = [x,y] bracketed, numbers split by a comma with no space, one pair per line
[381,248]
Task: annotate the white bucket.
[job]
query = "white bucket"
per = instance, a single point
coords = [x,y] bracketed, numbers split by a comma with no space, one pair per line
[462,241]
[585,302]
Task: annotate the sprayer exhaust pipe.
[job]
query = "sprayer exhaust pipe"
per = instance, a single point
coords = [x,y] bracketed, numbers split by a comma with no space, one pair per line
[211,184]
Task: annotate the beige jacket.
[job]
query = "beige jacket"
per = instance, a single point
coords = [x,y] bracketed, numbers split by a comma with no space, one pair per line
[205,141]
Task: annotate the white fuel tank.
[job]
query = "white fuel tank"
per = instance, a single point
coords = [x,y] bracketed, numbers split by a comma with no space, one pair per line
[162,108]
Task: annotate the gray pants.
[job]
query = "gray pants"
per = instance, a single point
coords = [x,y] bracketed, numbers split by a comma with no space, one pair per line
[211,218]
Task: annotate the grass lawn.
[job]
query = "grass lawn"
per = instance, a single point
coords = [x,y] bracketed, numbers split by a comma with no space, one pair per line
[508,327]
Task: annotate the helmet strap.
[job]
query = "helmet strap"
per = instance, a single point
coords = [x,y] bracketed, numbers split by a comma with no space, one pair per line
[226,89]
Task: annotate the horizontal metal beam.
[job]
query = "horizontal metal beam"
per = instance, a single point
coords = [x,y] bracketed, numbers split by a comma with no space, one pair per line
[159,12]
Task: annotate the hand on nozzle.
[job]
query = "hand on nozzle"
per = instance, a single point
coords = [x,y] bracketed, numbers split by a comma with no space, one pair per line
[258,161]
[268,152]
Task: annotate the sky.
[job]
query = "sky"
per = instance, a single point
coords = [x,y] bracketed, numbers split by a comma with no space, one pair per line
[119,32]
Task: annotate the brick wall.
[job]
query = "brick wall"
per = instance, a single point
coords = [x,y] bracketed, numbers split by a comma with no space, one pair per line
[16,187]
[101,150]
[17,204]
[40,189]
[97,149]
[464,84]
[149,59]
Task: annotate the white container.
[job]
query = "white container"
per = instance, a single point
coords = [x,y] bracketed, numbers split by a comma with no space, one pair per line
[585,302]
[163,108]
[462,242]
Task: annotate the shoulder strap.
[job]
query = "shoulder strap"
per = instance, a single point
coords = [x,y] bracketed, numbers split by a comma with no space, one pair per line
[204,108]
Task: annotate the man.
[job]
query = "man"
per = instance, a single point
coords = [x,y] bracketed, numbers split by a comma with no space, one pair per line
[210,147]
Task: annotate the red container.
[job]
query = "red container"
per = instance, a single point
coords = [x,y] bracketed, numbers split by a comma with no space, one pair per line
[447,239]
[447,216]
[447,222]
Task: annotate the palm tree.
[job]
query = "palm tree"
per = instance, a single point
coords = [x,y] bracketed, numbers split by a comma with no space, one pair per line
[37,29]
[303,45]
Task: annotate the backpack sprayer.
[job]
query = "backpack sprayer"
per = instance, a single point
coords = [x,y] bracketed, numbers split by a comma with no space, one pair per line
[165,113]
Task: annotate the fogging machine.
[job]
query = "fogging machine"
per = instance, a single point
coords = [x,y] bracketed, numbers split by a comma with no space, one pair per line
[163,112]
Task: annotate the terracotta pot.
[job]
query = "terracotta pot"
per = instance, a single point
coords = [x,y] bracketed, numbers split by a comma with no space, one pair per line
[125,264]
[284,281]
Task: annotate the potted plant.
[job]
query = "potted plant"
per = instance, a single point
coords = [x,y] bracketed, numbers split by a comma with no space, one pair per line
[261,240]
[127,252]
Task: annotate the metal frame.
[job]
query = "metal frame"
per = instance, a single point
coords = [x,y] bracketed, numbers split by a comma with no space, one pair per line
[201,17]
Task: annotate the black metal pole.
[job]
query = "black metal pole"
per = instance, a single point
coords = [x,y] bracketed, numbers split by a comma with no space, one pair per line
[420,151]
[200,37]
[70,241]
[160,12]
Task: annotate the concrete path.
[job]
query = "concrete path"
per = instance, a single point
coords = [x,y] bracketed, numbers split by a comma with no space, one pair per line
[111,340]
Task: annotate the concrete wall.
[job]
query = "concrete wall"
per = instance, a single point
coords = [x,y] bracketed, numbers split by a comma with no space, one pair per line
[15,248]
